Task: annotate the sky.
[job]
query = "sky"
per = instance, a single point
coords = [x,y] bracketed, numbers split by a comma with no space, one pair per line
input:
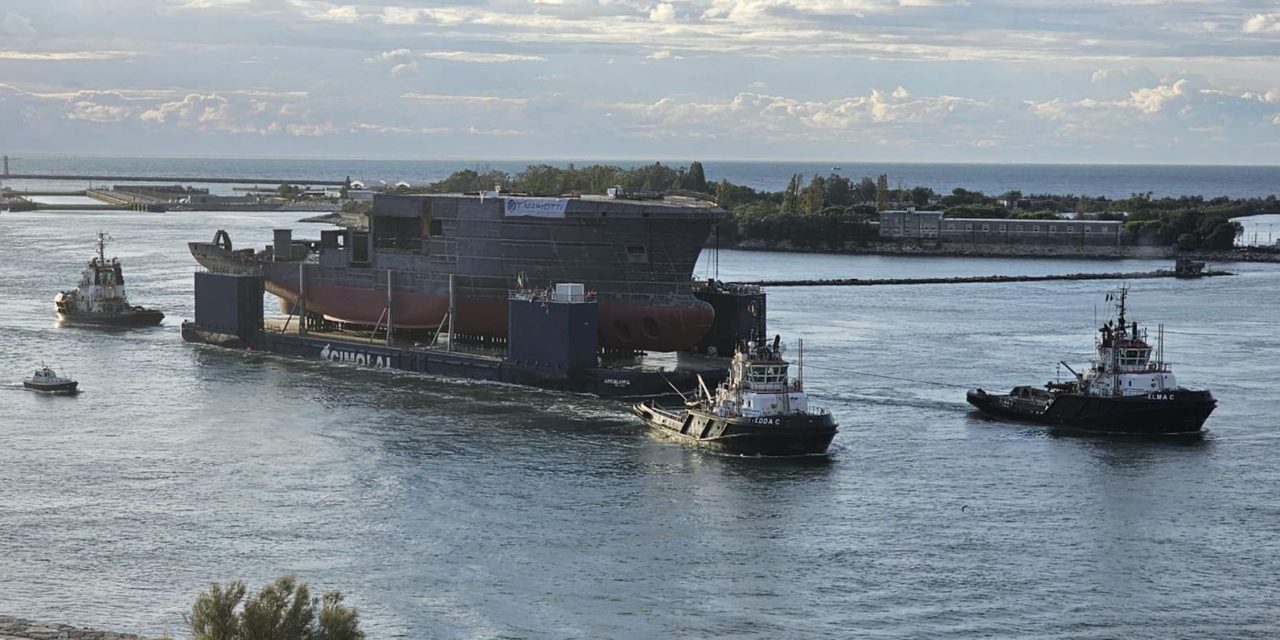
[1125,81]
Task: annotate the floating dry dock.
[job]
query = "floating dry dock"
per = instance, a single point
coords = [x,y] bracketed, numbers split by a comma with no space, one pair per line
[552,341]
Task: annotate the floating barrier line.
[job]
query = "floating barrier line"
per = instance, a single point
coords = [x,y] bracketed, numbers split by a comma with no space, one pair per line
[860,282]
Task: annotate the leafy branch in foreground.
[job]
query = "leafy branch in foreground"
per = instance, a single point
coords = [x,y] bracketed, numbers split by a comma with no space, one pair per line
[282,610]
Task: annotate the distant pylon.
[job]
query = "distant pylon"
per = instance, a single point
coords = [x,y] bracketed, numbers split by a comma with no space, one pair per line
[6,166]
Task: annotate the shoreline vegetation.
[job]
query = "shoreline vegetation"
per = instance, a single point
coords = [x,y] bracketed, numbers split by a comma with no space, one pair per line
[284,609]
[838,214]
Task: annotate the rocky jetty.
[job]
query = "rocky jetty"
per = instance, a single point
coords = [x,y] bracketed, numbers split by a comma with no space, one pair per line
[19,629]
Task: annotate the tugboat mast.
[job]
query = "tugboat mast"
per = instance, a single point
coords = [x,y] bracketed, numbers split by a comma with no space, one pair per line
[1124,293]
[102,244]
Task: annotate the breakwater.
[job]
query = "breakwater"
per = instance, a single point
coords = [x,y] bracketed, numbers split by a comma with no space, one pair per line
[866,282]
[967,250]
[177,179]
[19,629]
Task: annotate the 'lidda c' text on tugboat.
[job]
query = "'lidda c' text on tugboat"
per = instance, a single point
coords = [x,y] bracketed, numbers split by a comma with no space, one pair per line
[1128,389]
[100,297]
[757,411]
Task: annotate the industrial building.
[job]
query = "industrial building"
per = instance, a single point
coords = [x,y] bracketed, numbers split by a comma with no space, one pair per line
[910,224]
[931,225]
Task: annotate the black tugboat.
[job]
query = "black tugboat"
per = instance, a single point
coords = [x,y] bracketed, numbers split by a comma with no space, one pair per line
[46,381]
[100,297]
[1125,391]
[757,411]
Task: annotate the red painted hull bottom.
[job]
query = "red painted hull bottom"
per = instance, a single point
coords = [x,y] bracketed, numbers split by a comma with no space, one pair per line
[622,324]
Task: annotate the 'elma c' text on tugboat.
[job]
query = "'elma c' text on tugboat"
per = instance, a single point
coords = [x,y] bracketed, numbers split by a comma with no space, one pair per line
[100,297]
[757,411]
[1125,390]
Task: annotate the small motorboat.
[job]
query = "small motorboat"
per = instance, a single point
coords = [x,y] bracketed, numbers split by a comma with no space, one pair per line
[48,381]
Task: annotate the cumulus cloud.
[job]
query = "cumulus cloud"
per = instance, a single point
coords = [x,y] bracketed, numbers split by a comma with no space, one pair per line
[95,112]
[61,56]
[193,110]
[405,69]
[404,62]
[201,5]
[1173,109]
[1154,99]
[1262,23]
[395,56]
[450,99]
[240,113]
[901,29]
[17,26]
[748,111]
[662,54]
[481,58]
[663,12]
[326,11]
[1118,83]
[414,15]
[785,75]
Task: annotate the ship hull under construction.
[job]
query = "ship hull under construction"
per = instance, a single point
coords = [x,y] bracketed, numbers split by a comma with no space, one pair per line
[636,257]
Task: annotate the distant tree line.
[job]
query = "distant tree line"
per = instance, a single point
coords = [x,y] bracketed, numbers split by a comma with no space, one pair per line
[831,211]
[548,180]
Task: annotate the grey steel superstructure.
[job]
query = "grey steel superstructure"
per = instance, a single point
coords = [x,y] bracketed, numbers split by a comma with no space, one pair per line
[637,256]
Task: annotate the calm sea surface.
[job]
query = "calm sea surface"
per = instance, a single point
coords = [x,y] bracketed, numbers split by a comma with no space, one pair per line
[447,509]
[1114,181]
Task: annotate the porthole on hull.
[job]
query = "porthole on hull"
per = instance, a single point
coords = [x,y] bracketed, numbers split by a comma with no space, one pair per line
[622,331]
[650,327]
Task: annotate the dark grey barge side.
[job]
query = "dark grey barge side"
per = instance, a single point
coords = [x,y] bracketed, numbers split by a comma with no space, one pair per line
[552,344]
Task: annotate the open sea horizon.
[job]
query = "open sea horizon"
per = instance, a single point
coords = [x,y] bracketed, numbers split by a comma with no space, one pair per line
[1109,180]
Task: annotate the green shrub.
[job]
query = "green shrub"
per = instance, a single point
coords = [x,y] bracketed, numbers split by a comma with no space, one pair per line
[282,610]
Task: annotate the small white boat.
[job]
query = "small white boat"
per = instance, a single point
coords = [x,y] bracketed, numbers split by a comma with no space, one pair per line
[48,381]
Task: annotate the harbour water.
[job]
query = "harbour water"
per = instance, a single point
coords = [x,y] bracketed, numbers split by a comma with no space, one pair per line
[447,509]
